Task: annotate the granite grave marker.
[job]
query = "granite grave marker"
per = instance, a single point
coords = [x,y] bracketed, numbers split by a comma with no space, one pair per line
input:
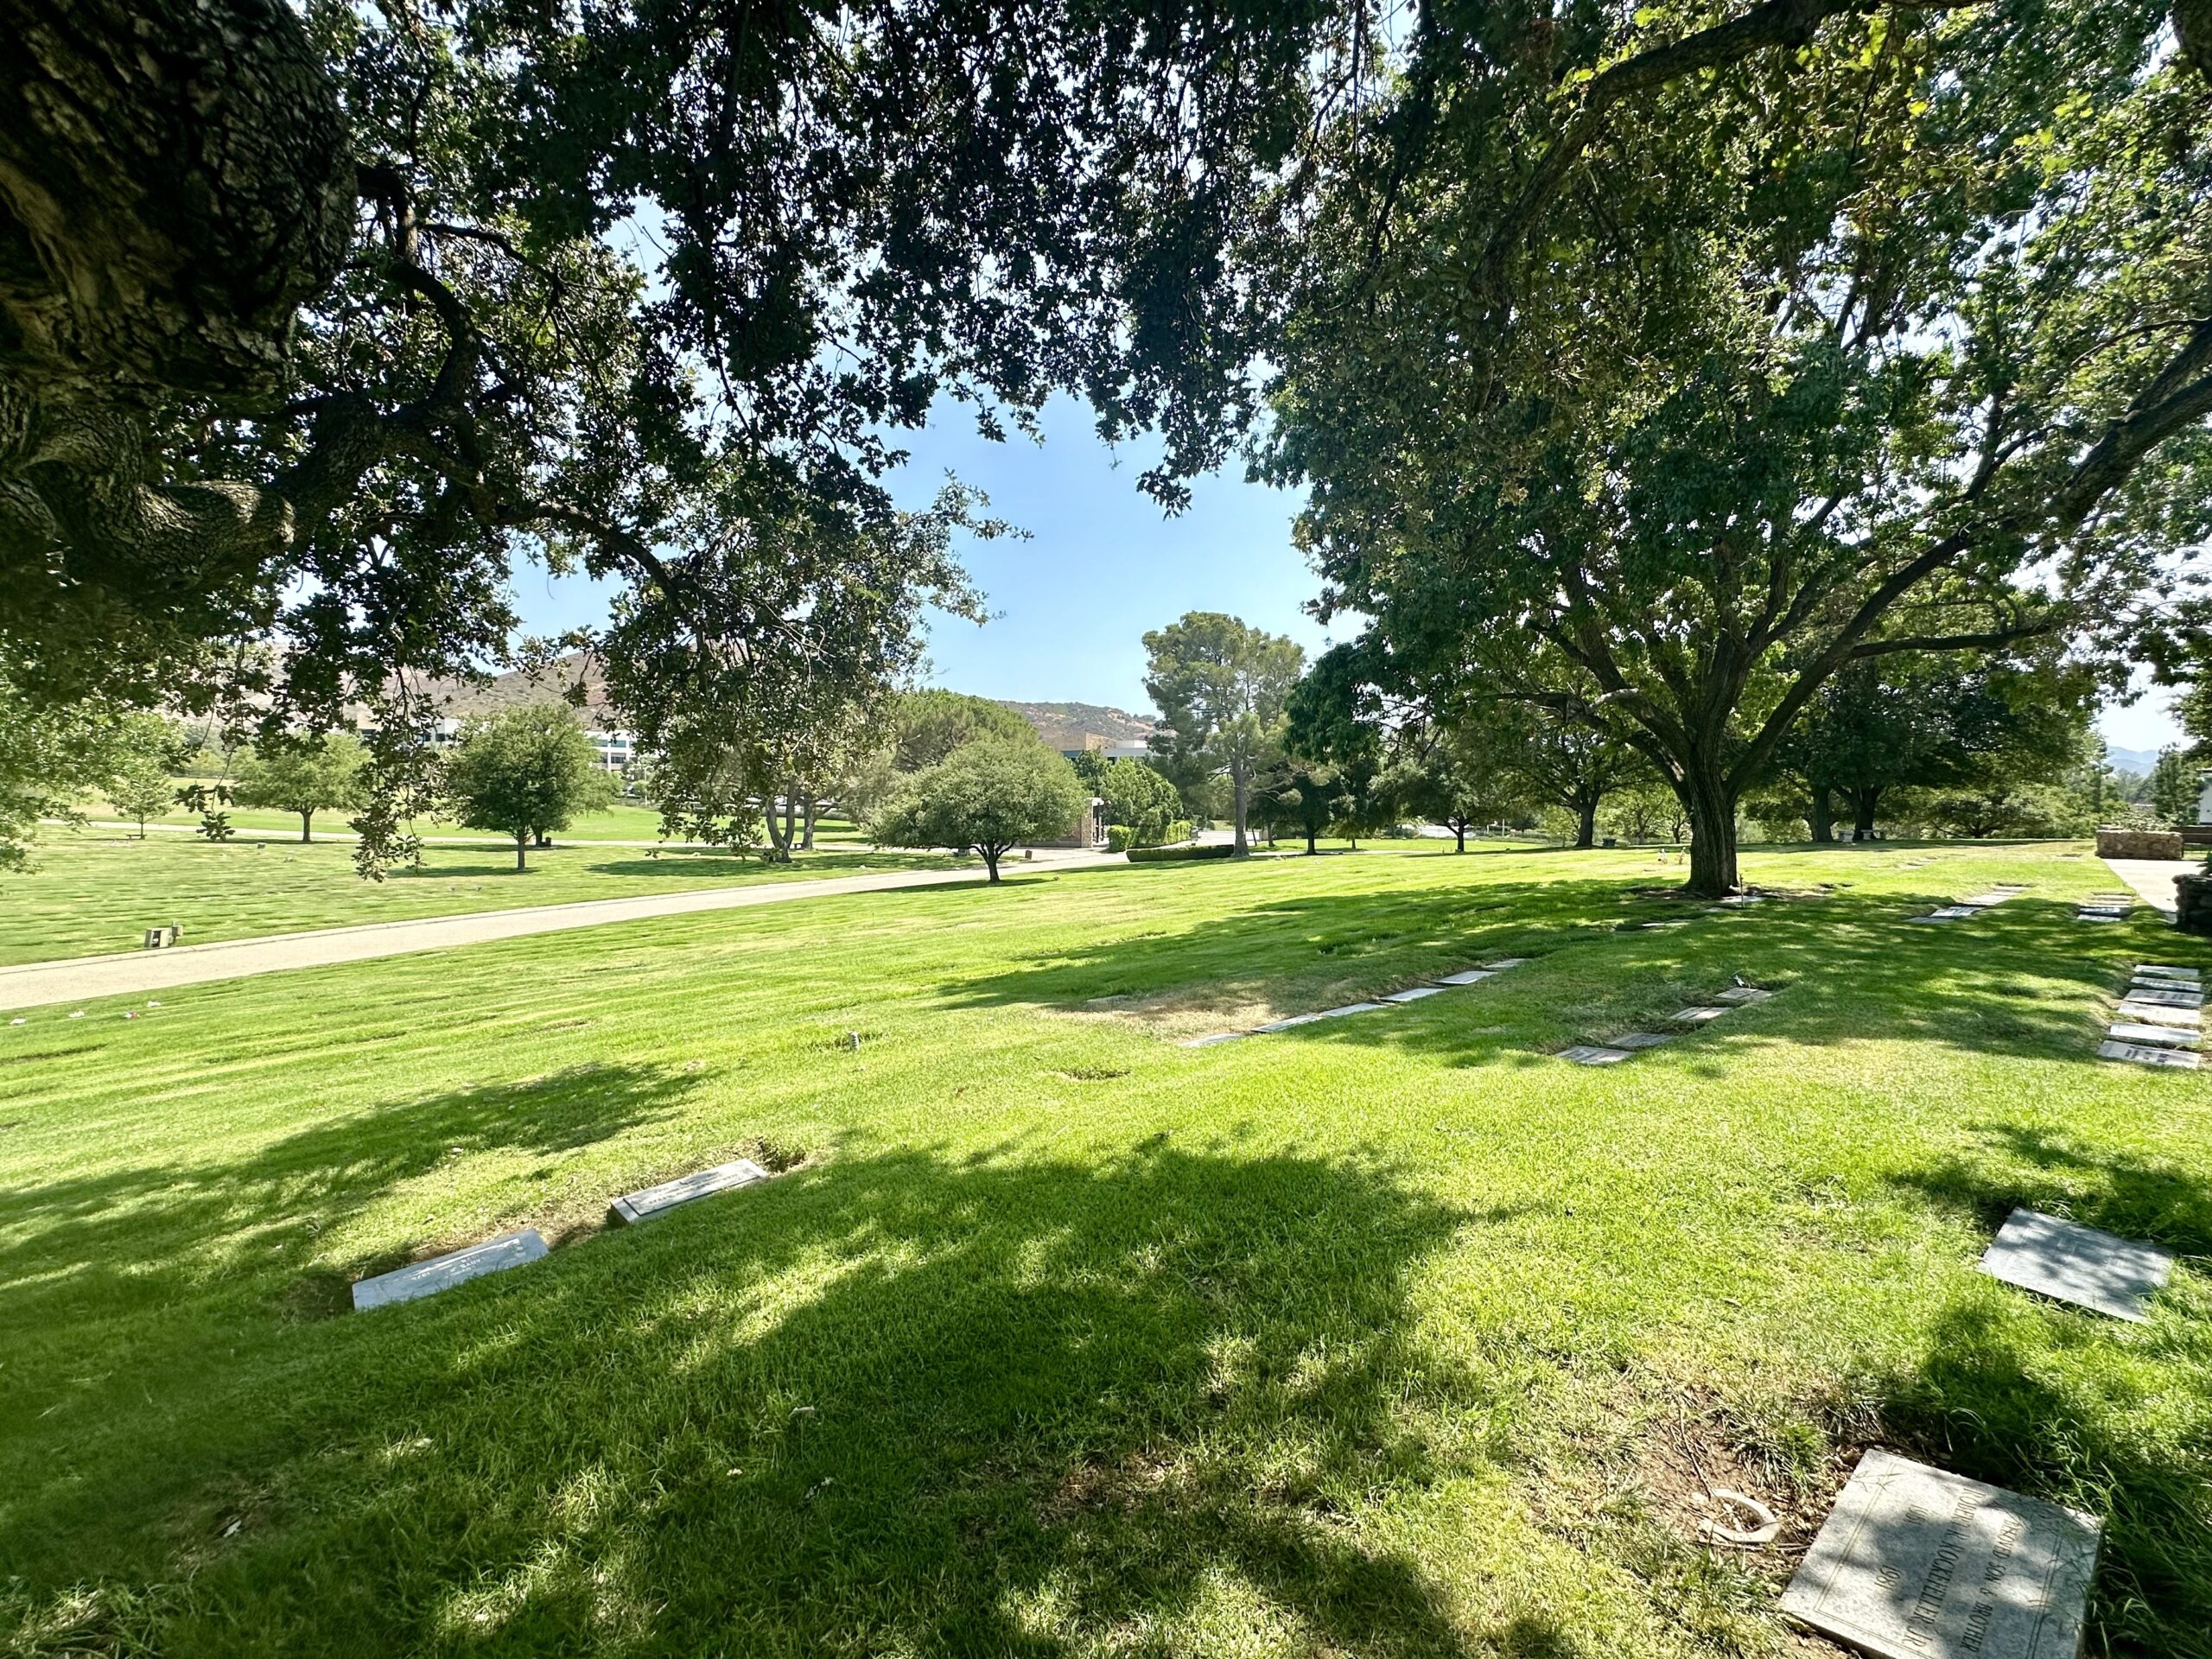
[455,1267]
[2142,1054]
[645,1204]
[1917,1563]
[2069,1262]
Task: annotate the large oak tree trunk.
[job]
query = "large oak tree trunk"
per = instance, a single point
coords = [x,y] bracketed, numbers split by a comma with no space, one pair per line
[1711,808]
[1823,813]
[1586,822]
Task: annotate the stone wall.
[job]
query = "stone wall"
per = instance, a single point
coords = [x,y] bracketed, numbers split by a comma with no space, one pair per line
[2138,843]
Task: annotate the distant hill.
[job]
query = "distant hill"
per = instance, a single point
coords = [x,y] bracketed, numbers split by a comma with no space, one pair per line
[1065,725]
[508,690]
[2139,761]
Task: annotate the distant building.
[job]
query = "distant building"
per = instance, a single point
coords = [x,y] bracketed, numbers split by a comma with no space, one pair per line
[616,751]
[1111,749]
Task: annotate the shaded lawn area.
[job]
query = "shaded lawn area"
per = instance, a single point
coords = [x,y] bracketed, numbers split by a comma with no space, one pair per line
[1388,1336]
[93,893]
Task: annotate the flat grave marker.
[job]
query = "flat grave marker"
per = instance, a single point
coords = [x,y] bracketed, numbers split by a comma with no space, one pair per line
[443,1272]
[1742,994]
[1503,962]
[2167,968]
[1636,1039]
[2142,1054]
[1289,1021]
[1698,1016]
[644,1204]
[2165,998]
[1218,1037]
[2129,1031]
[1349,1007]
[1593,1054]
[1919,1563]
[2069,1262]
[1413,994]
[1468,976]
[2098,916]
[2156,1014]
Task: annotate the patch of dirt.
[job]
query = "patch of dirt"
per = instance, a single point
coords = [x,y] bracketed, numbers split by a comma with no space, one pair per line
[1093,1073]
[1093,1488]
[1179,1014]
[1663,1452]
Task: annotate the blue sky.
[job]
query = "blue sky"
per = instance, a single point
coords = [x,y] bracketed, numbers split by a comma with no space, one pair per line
[1070,604]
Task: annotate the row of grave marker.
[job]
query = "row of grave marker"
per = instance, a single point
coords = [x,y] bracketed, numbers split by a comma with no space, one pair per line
[1965,909]
[1632,1043]
[2106,907]
[517,1249]
[2159,1020]
[1411,993]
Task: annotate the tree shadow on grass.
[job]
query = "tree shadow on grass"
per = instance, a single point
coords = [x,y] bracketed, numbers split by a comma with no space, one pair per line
[2056,1402]
[1854,966]
[130,1241]
[902,1403]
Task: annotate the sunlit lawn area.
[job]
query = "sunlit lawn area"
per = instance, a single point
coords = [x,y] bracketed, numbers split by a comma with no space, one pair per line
[624,821]
[1393,1335]
[96,892]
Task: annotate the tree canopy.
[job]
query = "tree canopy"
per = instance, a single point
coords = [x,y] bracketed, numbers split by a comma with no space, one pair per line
[1969,720]
[1651,362]
[309,342]
[1654,368]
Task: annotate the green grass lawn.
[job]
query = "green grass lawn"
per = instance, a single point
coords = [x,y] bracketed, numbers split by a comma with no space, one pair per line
[95,892]
[624,821]
[1391,1336]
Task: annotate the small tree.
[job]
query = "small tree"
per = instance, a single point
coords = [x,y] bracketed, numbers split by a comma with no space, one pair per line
[992,795]
[304,776]
[145,753]
[1303,795]
[525,772]
[1138,799]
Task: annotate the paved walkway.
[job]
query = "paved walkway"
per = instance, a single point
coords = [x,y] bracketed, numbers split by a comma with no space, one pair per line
[133,973]
[2154,877]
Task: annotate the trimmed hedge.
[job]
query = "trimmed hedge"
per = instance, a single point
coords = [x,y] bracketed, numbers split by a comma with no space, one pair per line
[1169,855]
